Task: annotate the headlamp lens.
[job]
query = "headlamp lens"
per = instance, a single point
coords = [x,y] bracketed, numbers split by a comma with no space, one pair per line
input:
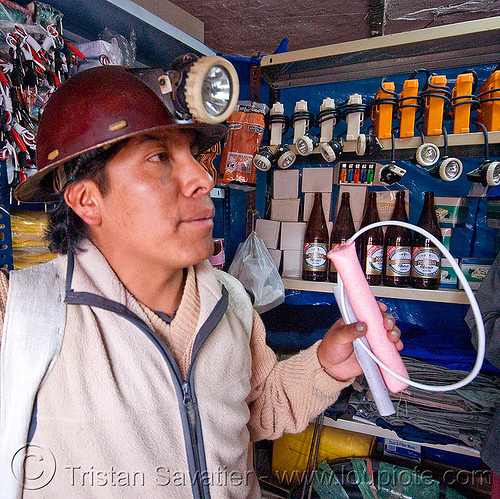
[304,145]
[327,152]
[452,170]
[263,159]
[284,157]
[286,160]
[429,154]
[216,91]
[493,173]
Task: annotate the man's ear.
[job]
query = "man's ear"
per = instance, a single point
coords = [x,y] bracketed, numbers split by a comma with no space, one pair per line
[83,198]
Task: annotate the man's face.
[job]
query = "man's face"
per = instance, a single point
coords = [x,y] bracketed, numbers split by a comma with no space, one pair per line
[157,208]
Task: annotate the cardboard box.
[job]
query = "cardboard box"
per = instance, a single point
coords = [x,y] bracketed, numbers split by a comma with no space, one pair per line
[475,270]
[448,275]
[309,201]
[446,235]
[276,256]
[317,179]
[285,184]
[386,200]
[268,231]
[493,212]
[292,236]
[357,201]
[285,210]
[399,448]
[292,263]
[451,211]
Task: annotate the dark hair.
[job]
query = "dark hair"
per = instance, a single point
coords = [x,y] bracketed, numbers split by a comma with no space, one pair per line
[65,228]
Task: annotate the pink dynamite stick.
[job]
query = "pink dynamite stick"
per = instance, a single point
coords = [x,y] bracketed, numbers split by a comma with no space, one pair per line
[366,309]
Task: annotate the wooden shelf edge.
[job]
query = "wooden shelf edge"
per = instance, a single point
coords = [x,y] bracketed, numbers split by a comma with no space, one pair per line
[376,431]
[452,31]
[463,140]
[443,295]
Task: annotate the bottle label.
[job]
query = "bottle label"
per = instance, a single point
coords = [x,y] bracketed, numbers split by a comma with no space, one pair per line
[315,257]
[426,262]
[398,261]
[374,259]
[332,266]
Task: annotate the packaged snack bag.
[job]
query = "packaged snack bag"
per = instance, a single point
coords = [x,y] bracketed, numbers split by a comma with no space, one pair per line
[246,127]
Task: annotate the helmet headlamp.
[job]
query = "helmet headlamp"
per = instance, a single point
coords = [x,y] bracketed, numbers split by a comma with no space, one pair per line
[282,157]
[203,88]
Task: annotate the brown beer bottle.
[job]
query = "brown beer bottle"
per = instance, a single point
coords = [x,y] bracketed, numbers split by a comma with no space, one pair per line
[397,247]
[342,230]
[370,245]
[314,267]
[426,258]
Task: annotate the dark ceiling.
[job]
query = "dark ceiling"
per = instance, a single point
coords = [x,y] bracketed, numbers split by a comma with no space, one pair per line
[256,27]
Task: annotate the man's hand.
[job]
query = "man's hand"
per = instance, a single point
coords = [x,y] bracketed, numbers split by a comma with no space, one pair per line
[336,353]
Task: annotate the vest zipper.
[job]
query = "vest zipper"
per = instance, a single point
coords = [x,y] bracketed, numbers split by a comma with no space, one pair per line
[190,417]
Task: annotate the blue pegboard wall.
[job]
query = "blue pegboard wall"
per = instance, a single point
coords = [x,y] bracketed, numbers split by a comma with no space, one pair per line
[5,229]
[476,239]
[230,217]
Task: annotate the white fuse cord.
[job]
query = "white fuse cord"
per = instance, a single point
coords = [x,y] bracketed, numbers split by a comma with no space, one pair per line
[470,295]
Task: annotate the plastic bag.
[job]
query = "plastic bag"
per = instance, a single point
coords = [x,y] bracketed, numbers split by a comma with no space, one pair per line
[46,15]
[11,12]
[123,49]
[254,267]
[98,53]
[111,49]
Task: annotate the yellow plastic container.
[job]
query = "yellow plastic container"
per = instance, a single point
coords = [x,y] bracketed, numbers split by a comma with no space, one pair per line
[28,239]
[407,109]
[291,451]
[382,113]
[27,257]
[461,112]
[434,107]
[489,111]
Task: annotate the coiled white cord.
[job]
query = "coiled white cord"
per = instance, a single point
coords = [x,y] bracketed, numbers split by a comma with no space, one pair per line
[470,295]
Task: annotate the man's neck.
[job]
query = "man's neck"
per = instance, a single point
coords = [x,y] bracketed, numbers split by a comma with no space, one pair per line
[159,289]
[157,294]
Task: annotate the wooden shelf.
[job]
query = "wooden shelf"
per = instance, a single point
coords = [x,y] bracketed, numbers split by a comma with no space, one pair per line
[442,47]
[456,296]
[460,145]
[376,431]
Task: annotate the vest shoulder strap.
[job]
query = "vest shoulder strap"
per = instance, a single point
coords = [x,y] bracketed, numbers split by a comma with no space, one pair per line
[34,323]
[239,299]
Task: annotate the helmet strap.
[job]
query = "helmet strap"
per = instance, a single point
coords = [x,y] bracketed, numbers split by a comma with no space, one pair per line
[60,180]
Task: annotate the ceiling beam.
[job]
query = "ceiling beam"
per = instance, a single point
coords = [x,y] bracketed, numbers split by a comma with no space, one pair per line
[377,9]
